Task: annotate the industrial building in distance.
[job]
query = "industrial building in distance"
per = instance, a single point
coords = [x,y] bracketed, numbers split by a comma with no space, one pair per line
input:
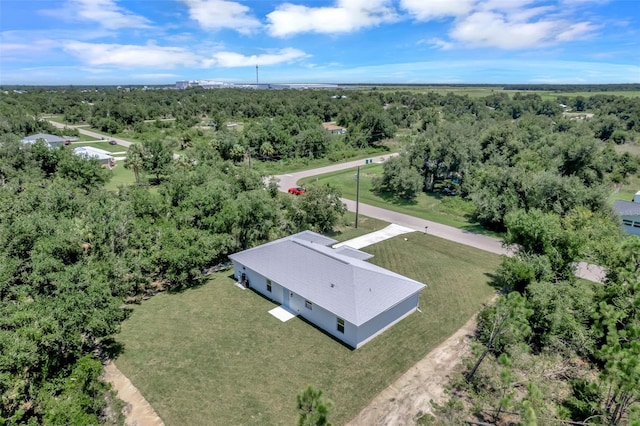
[212,84]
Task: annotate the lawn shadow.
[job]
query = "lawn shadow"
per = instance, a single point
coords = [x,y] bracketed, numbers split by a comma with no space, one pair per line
[196,283]
[395,200]
[110,348]
[303,319]
[332,337]
[495,282]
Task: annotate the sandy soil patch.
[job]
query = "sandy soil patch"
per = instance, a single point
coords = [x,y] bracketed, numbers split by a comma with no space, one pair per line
[137,412]
[414,392]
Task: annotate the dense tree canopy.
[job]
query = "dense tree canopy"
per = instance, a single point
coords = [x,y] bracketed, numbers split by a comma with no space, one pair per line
[72,252]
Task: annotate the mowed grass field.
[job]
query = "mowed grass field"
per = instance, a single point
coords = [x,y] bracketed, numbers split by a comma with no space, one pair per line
[482,91]
[452,211]
[101,145]
[213,355]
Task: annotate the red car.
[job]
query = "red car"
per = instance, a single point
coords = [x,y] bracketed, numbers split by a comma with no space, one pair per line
[296,190]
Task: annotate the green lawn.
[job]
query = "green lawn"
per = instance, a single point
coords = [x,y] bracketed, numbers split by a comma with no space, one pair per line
[213,354]
[120,177]
[482,91]
[452,211]
[346,230]
[101,145]
[299,164]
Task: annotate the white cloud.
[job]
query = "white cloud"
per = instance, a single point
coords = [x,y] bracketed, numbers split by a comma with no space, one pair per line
[155,76]
[516,24]
[576,31]
[219,14]
[432,9]
[493,30]
[439,43]
[130,56]
[232,59]
[105,12]
[26,50]
[346,16]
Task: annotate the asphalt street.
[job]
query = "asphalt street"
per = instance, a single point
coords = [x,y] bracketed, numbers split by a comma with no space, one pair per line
[472,239]
[92,134]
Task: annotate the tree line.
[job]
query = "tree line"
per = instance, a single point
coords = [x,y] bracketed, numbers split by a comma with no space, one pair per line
[71,253]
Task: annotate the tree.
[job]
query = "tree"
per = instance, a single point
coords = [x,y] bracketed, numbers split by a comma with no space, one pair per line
[503,322]
[157,159]
[313,409]
[321,206]
[399,179]
[135,160]
[618,325]
[544,234]
[376,125]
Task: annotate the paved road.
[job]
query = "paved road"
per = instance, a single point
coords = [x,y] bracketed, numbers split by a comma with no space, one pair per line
[482,242]
[92,134]
[119,141]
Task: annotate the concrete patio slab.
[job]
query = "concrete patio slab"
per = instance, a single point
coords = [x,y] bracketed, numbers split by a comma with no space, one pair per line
[282,313]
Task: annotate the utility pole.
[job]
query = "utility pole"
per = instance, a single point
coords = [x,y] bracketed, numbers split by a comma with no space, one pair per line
[357,194]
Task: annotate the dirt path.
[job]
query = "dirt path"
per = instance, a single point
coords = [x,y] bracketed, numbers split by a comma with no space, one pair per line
[412,394]
[138,412]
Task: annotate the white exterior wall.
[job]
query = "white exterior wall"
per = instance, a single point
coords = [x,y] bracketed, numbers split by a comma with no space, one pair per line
[322,318]
[386,319]
[631,225]
[258,283]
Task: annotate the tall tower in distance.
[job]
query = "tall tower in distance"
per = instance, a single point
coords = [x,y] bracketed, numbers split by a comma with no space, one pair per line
[257,81]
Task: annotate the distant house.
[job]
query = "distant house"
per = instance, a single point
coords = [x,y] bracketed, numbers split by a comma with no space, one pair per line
[335,289]
[104,157]
[629,212]
[52,141]
[334,129]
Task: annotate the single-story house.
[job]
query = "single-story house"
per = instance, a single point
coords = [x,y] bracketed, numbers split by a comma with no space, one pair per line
[334,129]
[52,141]
[335,289]
[104,157]
[629,212]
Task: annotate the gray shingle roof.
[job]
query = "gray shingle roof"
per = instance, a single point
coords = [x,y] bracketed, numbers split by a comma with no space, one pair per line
[342,284]
[626,208]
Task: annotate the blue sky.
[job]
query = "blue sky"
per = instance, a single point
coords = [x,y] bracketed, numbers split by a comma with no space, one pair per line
[317,41]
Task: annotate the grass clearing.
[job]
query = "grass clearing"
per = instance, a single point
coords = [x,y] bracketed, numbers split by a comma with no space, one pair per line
[120,177]
[482,91]
[452,211]
[101,145]
[213,354]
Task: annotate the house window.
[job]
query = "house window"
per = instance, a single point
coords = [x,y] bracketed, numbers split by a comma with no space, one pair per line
[308,304]
[627,222]
[269,286]
[340,325]
[636,224]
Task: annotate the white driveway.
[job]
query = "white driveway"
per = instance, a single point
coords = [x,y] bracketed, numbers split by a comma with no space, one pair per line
[375,237]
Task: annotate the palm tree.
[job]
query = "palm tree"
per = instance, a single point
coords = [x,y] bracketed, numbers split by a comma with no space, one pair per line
[135,160]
